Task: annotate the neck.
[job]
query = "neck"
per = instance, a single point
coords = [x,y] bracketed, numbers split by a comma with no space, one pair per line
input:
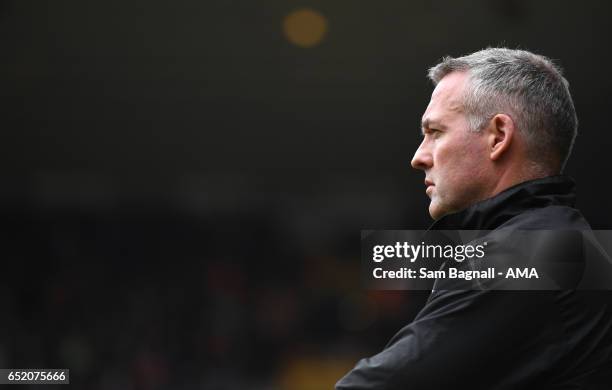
[510,177]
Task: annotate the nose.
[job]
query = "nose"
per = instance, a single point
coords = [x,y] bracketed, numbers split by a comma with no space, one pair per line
[422,157]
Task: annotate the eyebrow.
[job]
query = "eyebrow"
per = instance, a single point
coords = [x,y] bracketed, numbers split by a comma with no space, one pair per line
[428,123]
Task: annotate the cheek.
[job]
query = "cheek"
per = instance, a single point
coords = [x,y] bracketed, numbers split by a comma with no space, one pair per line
[463,151]
[459,166]
[449,159]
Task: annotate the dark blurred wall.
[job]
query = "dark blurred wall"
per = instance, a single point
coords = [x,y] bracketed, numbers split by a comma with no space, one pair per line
[183,187]
[143,98]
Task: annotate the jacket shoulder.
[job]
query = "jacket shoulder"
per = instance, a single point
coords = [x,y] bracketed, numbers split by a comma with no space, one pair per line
[549,217]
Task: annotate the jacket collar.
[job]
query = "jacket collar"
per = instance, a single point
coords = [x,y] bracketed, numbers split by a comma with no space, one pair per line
[488,214]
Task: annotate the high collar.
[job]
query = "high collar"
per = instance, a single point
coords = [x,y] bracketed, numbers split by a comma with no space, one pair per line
[488,214]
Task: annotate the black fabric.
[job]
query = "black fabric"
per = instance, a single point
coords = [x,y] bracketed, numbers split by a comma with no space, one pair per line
[501,339]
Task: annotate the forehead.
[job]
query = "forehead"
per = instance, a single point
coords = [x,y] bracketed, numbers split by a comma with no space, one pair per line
[446,97]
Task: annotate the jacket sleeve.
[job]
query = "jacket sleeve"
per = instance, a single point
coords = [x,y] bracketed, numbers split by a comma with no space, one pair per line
[465,338]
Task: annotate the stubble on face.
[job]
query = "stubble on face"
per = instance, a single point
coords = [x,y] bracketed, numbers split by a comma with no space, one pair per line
[451,155]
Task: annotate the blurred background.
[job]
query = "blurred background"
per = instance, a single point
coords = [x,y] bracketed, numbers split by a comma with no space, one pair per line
[184,183]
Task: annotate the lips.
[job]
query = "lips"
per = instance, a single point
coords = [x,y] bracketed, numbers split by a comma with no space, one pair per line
[429,184]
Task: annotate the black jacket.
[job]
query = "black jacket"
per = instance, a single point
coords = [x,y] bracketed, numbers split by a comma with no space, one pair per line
[501,339]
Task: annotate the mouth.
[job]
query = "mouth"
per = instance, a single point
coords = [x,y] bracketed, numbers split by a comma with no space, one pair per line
[429,184]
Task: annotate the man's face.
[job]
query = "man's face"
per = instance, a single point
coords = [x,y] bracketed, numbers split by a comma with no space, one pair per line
[453,158]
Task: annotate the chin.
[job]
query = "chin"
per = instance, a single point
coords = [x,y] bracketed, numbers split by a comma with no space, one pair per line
[435,213]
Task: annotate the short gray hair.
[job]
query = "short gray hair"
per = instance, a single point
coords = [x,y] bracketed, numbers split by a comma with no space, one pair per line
[528,87]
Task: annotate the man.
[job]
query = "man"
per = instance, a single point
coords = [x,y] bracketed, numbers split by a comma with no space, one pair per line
[497,133]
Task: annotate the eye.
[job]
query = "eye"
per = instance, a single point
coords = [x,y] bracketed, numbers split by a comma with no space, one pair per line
[432,132]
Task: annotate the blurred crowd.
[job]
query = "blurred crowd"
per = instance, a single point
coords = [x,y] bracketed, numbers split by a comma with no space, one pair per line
[150,297]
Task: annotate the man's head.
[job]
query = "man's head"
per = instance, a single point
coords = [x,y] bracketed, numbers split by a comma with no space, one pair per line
[496,118]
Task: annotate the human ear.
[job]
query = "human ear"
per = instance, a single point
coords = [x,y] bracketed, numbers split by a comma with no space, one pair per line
[501,133]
